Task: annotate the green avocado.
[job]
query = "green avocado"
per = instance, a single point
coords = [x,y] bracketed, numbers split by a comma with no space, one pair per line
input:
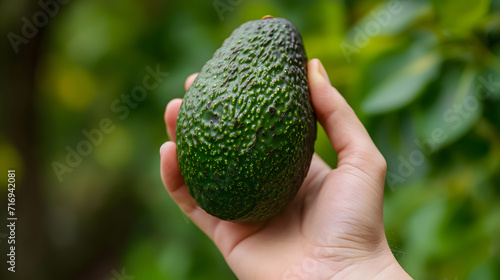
[246,127]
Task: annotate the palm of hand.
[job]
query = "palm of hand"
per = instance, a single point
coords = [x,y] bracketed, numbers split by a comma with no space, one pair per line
[333,224]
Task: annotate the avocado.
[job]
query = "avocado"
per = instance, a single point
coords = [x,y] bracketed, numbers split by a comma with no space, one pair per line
[246,127]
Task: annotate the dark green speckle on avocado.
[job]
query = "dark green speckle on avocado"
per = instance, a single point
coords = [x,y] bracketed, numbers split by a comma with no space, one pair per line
[246,127]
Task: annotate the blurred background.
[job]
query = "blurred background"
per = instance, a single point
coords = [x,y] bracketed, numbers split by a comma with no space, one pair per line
[84,84]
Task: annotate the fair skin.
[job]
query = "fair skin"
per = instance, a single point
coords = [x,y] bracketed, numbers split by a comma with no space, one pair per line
[332,229]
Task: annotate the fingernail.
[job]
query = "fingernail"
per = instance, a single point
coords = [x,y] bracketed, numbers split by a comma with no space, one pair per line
[322,71]
[163,147]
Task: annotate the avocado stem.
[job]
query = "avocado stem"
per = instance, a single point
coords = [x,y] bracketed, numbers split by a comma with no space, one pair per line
[267,16]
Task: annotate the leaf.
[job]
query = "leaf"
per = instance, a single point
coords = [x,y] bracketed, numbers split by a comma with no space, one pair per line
[390,18]
[421,236]
[394,136]
[459,16]
[485,271]
[377,29]
[455,111]
[403,85]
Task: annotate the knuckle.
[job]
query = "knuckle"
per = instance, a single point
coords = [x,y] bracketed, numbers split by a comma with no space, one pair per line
[380,162]
[375,159]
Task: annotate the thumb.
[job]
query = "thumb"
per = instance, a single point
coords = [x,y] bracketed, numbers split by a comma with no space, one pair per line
[347,134]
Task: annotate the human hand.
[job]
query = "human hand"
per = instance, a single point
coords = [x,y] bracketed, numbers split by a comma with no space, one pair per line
[332,229]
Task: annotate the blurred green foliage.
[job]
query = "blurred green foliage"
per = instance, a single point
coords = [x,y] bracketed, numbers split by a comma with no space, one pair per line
[423,76]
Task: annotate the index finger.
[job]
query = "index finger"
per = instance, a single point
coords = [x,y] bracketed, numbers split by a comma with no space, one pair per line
[189,81]
[172,109]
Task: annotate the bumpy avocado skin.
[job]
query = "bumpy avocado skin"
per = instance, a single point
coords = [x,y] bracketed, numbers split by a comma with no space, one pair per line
[246,127]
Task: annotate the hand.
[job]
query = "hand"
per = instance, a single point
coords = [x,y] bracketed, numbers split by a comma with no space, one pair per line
[332,229]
